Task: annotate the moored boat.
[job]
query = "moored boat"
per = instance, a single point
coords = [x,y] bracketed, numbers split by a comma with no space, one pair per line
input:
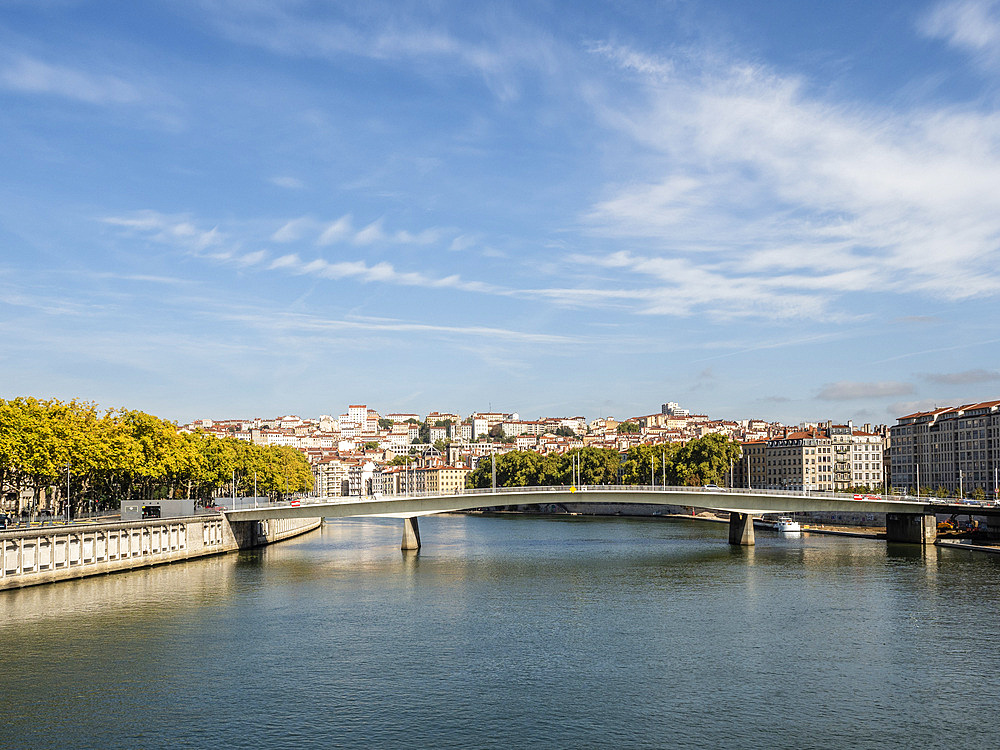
[787,523]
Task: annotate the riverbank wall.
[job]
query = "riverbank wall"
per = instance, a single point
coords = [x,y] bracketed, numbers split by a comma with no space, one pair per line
[48,554]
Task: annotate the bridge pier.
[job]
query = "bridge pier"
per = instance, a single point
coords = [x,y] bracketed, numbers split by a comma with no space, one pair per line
[411,533]
[911,528]
[741,529]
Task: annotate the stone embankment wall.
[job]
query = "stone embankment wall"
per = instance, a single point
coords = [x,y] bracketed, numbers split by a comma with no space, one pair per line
[55,553]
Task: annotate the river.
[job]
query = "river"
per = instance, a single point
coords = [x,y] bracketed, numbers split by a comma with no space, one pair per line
[542,632]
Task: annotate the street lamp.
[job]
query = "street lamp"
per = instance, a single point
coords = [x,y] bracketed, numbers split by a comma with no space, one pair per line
[67,491]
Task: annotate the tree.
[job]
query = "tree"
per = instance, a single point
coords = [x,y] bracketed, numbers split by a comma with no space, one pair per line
[384,423]
[646,463]
[629,428]
[706,460]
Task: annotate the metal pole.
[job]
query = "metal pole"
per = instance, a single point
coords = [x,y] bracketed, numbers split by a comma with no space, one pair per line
[67,493]
[918,480]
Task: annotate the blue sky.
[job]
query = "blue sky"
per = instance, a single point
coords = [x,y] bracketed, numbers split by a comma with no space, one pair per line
[787,210]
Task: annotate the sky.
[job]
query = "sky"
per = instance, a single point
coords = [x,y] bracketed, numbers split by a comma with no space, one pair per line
[234,208]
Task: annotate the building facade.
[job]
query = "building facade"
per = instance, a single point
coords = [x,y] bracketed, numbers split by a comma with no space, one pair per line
[953,449]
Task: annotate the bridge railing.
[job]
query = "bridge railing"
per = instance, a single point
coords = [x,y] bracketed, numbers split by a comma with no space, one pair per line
[714,492]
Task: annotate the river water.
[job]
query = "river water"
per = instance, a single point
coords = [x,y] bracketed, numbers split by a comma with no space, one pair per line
[542,632]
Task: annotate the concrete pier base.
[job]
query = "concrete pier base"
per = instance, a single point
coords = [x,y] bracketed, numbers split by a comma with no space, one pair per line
[741,529]
[411,533]
[911,528]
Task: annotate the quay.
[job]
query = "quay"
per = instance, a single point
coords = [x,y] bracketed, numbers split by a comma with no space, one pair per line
[47,554]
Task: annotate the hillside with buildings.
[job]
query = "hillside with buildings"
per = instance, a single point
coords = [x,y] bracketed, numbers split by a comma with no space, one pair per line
[363,451]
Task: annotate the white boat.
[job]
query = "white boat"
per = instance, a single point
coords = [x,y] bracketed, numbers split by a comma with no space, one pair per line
[786,523]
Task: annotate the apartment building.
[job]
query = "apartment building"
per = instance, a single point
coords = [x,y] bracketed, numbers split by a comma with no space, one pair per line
[446,480]
[331,478]
[826,458]
[954,448]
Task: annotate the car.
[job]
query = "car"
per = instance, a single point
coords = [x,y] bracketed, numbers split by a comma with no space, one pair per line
[712,486]
[5,521]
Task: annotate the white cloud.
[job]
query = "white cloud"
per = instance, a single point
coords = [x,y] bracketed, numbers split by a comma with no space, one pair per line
[970,25]
[370,234]
[181,232]
[293,230]
[379,272]
[757,186]
[26,74]
[341,229]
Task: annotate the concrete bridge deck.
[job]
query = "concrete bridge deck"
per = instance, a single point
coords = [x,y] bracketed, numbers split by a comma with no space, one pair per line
[907,517]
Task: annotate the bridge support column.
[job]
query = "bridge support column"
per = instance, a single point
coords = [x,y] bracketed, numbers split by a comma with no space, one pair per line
[741,529]
[912,528]
[411,534]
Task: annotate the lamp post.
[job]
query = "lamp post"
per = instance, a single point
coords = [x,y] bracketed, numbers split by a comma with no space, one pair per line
[67,491]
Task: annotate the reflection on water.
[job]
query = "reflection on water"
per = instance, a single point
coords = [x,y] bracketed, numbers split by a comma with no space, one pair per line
[514,631]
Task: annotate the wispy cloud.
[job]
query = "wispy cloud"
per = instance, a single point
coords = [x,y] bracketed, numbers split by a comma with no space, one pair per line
[379,272]
[783,201]
[219,246]
[972,26]
[848,391]
[318,325]
[292,230]
[175,230]
[901,408]
[30,75]
[288,182]
[967,377]
[338,230]
[482,42]
[679,286]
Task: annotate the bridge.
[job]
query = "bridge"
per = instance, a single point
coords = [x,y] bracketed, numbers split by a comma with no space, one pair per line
[908,519]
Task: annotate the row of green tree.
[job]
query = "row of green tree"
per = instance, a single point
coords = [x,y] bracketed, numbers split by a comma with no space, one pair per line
[101,458]
[704,460]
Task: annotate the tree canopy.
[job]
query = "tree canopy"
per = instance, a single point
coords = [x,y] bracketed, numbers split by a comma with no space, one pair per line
[700,461]
[123,454]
